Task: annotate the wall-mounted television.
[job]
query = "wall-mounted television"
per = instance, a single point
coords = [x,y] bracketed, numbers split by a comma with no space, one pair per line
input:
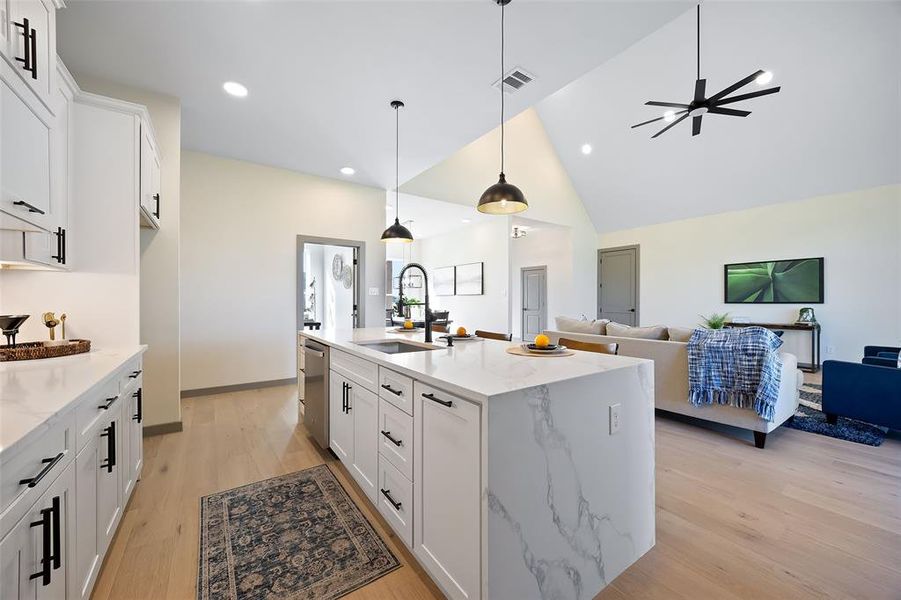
[798,281]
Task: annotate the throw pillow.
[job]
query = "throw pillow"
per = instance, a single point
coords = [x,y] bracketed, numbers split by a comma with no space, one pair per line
[596,327]
[679,334]
[656,332]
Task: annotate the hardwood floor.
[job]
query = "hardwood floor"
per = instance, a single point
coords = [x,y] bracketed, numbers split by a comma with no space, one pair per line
[809,517]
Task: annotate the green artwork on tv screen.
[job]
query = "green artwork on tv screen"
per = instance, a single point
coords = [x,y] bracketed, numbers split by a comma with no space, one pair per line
[777,282]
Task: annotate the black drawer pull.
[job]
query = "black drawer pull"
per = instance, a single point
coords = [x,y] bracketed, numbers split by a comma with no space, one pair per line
[432,397]
[157,212]
[31,207]
[134,374]
[109,402]
[394,503]
[387,434]
[57,550]
[385,386]
[50,462]
[46,559]
[110,434]
[139,416]
[344,397]
[60,256]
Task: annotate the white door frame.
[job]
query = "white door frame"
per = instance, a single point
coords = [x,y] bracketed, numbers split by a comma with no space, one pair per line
[522,304]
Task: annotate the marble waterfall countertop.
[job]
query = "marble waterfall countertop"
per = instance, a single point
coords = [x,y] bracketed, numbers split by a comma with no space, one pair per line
[476,369]
[33,392]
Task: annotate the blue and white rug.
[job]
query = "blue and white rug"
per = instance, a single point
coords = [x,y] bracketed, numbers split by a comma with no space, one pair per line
[810,417]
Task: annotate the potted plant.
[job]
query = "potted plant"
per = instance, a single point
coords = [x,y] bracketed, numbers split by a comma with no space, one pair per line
[715,320]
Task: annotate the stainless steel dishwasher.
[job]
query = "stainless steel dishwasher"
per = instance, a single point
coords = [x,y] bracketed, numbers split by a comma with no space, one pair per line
[315,414]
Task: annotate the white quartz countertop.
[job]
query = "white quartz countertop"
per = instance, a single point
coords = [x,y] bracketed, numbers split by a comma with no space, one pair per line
[476,369]
[33,392]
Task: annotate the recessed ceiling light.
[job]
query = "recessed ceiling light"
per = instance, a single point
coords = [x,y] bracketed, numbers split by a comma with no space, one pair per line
[586,149]
[764,78]
[235,89]
[669,116]
[347,170]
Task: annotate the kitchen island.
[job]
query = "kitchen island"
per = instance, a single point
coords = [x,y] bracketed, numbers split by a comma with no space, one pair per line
[506,476]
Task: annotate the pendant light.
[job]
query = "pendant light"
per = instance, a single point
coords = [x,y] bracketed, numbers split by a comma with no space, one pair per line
[502,198]
[397,232]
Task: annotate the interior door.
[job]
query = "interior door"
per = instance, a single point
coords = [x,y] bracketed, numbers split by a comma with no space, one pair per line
[618,285]
[534,302]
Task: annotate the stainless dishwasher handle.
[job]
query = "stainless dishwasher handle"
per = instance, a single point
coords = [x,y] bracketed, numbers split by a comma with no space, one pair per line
[314,353]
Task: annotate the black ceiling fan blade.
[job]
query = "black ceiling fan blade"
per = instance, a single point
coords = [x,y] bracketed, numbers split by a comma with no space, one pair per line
[716,110]
[668,104]
[748,96]
[700,88]
[657,119]
[735,86]
[674,123]
[696,125]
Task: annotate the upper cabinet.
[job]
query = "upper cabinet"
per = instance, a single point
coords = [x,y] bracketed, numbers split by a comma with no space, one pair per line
[30,45]
[150,178]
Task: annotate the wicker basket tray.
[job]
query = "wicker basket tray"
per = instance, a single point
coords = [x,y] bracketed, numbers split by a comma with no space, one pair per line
[35,350]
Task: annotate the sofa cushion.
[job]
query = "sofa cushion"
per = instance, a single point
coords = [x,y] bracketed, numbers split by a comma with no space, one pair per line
[655,332]
[679,334]
[596,327]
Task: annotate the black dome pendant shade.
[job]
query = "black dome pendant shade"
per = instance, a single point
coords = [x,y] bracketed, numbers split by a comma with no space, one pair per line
[397,232]
[502,198]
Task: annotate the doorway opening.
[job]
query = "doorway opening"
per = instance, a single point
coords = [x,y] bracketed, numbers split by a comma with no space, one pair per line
[329,283]
[533,288]
[618,270]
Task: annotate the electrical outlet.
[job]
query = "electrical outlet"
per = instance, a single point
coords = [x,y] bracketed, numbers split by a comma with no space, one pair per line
[373,291]
[830,350]
[615,418]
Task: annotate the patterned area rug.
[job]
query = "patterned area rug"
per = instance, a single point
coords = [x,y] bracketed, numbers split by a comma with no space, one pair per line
[810,417]
[295,537]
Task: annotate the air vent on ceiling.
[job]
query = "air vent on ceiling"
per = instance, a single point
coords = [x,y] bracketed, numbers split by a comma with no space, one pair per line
[515,79]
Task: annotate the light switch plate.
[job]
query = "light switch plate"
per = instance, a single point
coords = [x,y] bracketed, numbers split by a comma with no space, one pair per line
[615,418]
[373,291]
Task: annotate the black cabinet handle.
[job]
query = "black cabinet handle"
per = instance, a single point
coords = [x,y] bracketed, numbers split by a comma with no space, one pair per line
[344,397]
[57,544]
[385,386]
[46,559]
[50,463]
[109,402]
[30,47]
[387,434]
[394,503]
[349,407]
[60,234]
[31,207]
[110,434]
[134,374]
[139,416]
[157,212]
[432,397]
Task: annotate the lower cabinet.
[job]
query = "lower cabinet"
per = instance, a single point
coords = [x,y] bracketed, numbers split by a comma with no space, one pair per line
[87,530]
[36,555]
[341,420]
[447,490]
[353,430]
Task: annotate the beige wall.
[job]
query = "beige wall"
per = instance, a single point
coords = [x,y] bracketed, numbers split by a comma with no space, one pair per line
[239,266]
[857,233]
[159,257]
[532,165]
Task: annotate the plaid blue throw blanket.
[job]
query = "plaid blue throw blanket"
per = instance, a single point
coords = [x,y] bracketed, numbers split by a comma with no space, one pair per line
[738,366]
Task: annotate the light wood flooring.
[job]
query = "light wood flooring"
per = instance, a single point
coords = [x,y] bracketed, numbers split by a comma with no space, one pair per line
[808,517]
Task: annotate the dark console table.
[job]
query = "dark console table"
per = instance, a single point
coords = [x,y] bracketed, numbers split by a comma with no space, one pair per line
[814,328]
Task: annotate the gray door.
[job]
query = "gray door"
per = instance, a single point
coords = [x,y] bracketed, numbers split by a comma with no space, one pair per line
[534,302]
[618,285]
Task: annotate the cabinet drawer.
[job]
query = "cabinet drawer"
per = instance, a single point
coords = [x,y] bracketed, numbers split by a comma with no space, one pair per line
[396,389]
[396,437]
[395,500]
[42,460]
[90,410]
[362,371]
[129,374]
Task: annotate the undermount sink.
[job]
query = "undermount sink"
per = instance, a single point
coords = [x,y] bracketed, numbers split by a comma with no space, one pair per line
[397,346]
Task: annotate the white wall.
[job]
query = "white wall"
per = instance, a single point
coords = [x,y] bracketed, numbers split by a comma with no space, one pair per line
[857,233]
[239,263]
[486,242]
[551,247]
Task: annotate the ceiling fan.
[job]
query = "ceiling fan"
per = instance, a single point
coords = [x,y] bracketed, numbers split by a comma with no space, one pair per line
[714,105]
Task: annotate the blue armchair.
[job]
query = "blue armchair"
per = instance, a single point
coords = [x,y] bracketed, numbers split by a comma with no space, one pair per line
[865,392]
[883,356]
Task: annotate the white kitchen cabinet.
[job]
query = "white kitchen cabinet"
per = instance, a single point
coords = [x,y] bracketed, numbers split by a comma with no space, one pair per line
[31,47]
[87,547]
[341,421]
[35,556]
[447,490]
[396,437]
[132,442]
[109,471]
[364,405]
[395,500]
[150,179]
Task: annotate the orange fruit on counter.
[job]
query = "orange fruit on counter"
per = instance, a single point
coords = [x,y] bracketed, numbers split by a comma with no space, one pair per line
[542,341]
[461,331]
[408,324]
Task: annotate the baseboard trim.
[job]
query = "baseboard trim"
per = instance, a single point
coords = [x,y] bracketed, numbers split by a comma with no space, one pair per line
[240,387]
[162,428]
